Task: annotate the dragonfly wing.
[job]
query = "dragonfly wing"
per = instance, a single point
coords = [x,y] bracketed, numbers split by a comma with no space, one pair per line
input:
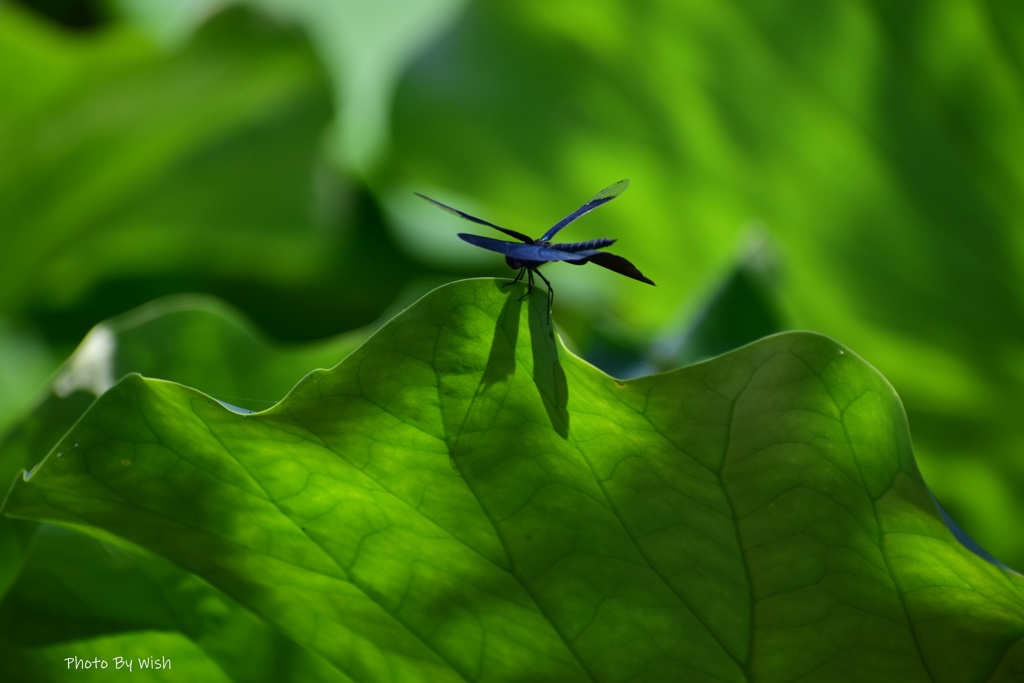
[513,249]
[527,252]
[603,197]
[462,214]
[618,264]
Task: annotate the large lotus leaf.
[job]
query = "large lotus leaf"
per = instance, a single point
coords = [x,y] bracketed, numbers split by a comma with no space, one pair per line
[78,596]
[461,498]
[68,594]
[193,340]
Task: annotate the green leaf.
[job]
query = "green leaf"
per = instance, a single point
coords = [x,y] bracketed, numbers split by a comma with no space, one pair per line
[194,340]
[190,339]
[82,597]
[25,365]
[365,47]
[461,498]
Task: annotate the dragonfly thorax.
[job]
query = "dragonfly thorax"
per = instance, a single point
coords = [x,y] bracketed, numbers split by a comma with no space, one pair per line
[517,263]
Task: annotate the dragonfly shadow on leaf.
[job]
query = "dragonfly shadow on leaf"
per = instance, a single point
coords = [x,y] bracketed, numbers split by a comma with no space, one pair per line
[548,375]
[501,360]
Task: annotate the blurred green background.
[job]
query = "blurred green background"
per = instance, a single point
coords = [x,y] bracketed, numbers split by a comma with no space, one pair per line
[853,168]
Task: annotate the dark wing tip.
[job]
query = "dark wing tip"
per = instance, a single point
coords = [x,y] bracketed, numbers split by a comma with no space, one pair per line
[618,264]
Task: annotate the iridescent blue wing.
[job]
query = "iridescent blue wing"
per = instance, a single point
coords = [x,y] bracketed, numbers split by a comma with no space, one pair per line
[526,252]
[603,197]
[462,214]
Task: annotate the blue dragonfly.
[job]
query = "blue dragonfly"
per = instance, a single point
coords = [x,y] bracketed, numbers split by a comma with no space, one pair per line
[532,254]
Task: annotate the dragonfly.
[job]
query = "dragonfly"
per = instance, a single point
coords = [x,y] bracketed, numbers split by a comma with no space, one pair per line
[528,255]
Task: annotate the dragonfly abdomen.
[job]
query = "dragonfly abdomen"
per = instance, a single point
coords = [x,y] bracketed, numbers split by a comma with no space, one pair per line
[599,243]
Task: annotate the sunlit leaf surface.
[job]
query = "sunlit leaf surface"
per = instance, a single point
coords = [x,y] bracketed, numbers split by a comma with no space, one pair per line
[462,499]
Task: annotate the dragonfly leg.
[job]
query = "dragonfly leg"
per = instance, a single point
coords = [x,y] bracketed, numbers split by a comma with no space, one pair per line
[551,293]
[529,284]
[519,276]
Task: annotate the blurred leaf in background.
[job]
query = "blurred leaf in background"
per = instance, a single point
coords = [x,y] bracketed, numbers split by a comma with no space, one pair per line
[256,154]
[365,47]
[138,171]
[128,162]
